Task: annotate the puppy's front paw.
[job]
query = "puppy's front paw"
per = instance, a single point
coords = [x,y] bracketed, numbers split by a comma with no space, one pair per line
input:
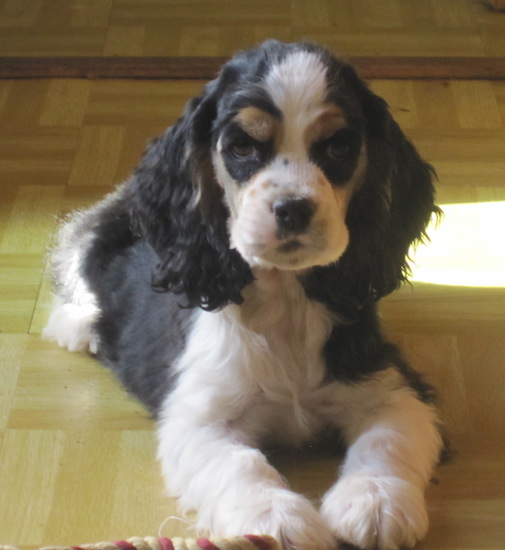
[300,526]
[370,512]
[287,516]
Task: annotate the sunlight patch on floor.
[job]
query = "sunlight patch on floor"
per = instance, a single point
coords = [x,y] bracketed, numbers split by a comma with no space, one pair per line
[467,247]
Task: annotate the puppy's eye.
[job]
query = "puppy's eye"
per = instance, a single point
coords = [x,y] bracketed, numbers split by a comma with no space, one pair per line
[243,151]
[338,151]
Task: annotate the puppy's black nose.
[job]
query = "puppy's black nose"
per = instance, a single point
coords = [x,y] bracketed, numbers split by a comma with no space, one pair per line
[293,215]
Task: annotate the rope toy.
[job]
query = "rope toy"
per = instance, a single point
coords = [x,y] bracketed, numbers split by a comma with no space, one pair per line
[246,542]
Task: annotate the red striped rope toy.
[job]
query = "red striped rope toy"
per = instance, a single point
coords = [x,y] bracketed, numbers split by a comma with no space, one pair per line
[246,542]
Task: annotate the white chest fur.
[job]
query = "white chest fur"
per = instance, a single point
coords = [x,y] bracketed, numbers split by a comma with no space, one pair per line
[259,365]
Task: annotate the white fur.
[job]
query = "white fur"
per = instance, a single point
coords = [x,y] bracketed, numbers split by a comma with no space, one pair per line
[254,373]
[298,88]
[376,512]
[71,326]
[239,383]
[254,230]
[394,445]
[75,309]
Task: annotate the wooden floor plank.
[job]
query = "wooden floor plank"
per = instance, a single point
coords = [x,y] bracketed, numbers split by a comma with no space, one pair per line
[205,68]
[220,27]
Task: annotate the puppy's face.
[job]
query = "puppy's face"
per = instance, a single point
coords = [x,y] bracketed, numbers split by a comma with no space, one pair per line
[289,153]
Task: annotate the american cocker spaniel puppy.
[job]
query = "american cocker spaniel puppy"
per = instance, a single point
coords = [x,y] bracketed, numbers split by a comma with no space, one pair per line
[231,284]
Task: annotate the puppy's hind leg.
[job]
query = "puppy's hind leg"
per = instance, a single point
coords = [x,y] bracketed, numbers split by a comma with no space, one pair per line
[75,310]
[71,326]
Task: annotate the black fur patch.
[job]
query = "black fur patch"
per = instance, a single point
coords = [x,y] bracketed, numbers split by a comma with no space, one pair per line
[337,156]
[141,332]
[242,169]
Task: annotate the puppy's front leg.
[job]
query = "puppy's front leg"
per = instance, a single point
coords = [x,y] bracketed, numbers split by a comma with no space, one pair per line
[214,470]
[394,443]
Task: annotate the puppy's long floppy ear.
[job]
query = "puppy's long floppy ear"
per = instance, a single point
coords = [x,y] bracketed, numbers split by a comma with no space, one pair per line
[177,206]
[386,215]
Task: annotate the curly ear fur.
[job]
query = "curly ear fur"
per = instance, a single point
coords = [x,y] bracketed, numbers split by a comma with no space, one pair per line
[176,205]
[385,216]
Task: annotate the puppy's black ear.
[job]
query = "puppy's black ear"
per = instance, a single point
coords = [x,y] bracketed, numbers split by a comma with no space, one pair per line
[396,201]
[177,206]
[386,215]
[392,209]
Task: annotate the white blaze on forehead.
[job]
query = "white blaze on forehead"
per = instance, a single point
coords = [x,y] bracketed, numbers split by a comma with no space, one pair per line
[299,81]
[298,88]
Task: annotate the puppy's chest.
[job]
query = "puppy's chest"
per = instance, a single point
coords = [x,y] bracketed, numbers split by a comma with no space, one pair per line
[283,334]
[290,331]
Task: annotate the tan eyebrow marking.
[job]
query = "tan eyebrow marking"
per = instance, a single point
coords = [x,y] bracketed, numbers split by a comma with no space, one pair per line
[259,124]
[325,125]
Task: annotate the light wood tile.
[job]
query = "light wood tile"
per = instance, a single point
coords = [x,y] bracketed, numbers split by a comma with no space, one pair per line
[377,15]
[431,42]
[19,285]
[32,220]
[12,349]
[171,27]
[70,392]
[476,104]
[436,103]
[315,14]
[125,40]
[98,155]
[138,102]
[402,100]
[30,464]
[44,303]
[137,463]
[439,357]
[5,90]
[447,14]
[439,308]
[482,361]
[52,42]
[22,104]
[91,13]
[65,103]
[19,13]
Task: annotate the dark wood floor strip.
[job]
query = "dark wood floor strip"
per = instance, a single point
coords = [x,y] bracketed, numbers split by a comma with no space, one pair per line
[204,68]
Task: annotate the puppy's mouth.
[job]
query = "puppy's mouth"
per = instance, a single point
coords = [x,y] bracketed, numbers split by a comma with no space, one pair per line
[291,245]
[290,252]
[319,245]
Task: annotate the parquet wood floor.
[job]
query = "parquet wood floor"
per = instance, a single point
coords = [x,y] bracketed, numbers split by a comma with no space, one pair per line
[77,455]
[220,27]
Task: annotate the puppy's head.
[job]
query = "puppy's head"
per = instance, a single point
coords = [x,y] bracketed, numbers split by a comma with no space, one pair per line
[286,161]
[288,152]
